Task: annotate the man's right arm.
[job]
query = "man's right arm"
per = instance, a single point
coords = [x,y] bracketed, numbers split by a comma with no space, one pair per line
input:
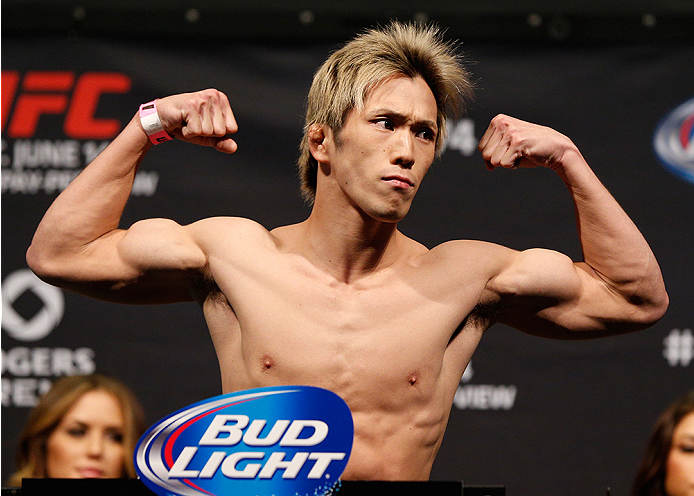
[78,244]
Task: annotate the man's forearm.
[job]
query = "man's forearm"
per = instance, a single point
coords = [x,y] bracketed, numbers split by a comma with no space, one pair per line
[92,205]
[612,244]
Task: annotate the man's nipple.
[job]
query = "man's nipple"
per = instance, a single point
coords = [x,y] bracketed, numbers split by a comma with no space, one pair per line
[267,362]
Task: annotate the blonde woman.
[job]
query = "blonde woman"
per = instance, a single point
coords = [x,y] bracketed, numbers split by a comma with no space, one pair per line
[84,427]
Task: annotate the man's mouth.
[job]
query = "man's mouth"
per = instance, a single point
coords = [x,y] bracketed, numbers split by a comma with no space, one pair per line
[399,181]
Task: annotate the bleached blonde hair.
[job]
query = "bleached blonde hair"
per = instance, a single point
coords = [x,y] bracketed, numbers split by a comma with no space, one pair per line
[348,76]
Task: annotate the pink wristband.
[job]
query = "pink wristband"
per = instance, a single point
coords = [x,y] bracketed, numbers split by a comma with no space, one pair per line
[152,124]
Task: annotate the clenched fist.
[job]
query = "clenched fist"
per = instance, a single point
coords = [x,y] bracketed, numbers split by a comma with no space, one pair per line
[203,117]
[512,143]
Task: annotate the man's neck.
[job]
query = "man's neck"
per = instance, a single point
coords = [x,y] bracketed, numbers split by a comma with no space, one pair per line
[348,244]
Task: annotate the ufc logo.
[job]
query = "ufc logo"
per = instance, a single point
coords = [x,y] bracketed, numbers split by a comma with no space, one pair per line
[57,93]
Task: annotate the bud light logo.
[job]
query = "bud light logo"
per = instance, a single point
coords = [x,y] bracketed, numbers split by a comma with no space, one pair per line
[673,141]
[281,441]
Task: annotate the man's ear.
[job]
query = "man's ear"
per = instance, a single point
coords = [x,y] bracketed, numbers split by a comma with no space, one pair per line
[317,142]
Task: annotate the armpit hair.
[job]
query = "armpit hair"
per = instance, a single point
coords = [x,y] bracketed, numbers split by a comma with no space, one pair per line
[204,287]
[481,317]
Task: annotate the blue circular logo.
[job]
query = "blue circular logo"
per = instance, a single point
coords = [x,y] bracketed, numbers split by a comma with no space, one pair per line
[673,141]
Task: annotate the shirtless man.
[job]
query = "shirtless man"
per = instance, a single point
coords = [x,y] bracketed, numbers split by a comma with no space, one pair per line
[343,300]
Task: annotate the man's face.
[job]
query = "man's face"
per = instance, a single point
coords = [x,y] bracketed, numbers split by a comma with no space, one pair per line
[384,150]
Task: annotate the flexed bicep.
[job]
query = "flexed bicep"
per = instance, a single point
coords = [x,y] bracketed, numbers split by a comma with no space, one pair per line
[617,288]
[78,244]
[151,262]
[160,256]
[543,292]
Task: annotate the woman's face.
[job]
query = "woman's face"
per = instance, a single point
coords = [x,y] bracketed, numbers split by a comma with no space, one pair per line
[679,471]
[88,441]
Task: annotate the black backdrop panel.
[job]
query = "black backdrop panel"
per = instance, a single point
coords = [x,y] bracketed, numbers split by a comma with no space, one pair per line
[541,417]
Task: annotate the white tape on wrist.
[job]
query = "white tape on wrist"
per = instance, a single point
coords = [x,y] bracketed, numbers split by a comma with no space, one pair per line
[152,124]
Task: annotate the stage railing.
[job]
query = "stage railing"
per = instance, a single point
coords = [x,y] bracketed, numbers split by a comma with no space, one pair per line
[134,487]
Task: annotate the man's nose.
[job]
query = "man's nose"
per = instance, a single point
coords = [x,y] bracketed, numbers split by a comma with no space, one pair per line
[404,149]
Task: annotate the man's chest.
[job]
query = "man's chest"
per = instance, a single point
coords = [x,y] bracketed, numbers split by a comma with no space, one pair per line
[386,328]
[381,305]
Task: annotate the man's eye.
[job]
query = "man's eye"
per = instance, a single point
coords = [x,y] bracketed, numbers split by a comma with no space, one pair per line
[385,123]
[426,134]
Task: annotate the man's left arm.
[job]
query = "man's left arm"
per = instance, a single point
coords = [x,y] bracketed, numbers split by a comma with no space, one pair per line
[618,287]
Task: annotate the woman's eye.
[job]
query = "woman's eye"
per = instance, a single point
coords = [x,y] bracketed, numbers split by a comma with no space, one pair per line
[76,432]
[687,448]
[116,437]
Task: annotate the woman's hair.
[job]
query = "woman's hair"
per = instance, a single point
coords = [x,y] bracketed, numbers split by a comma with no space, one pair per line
[347,77]
[650,478]
[45,417]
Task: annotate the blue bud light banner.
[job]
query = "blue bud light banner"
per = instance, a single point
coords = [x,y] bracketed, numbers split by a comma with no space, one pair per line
[281,441]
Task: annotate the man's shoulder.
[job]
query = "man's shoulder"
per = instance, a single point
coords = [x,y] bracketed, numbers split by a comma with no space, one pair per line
[466,258]
[226,222]
[468,249]
[229,232]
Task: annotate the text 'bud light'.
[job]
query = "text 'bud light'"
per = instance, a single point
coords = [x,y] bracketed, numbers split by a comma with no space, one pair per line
[281,441]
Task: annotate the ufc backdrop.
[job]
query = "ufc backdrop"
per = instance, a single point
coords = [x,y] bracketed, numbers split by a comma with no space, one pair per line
[541,417]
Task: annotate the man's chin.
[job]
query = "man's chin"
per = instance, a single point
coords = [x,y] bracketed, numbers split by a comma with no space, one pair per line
[390,216]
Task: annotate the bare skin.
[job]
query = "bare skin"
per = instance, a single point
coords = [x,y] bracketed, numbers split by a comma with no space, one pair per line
[344,300]
[679,470]
[88,441]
